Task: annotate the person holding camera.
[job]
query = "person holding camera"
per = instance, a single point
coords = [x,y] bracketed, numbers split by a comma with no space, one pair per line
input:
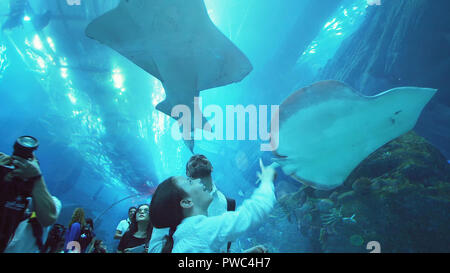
[27,210]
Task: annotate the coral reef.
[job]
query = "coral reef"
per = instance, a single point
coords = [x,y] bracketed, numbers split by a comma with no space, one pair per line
[399,196]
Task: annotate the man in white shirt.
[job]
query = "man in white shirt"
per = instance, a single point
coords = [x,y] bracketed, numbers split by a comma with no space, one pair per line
[123,225]
[199,167]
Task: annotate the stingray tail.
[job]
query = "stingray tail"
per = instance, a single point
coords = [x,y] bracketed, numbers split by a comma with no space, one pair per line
[190,145]
[167,107]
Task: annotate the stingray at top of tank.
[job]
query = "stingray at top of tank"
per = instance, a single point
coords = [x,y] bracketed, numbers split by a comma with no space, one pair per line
[176,42]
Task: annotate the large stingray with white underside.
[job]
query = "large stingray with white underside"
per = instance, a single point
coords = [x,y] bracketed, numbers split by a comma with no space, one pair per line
[327,129]
[175,41]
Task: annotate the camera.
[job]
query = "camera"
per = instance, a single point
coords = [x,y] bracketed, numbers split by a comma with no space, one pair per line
[15,192]
[24,148]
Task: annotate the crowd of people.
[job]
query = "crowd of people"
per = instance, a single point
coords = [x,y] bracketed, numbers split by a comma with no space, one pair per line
[187,214]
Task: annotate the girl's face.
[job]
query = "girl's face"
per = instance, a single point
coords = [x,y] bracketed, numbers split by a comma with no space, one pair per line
[143,213]
[195,190]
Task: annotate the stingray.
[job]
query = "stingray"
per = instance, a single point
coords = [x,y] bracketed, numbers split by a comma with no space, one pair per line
[327,129]
[176,42]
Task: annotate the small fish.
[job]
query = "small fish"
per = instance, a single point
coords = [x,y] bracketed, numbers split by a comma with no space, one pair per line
[349,219]
[241,193]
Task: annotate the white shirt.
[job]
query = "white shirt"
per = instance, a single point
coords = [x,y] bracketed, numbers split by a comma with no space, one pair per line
[202,234]
[217,207]
[24,240]
[123,226]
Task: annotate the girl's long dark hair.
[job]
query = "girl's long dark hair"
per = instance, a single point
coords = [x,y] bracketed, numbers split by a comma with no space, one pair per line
[165,209]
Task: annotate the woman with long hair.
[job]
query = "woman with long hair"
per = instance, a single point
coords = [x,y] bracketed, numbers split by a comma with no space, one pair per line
[137,237]
[181,204]
[74,229]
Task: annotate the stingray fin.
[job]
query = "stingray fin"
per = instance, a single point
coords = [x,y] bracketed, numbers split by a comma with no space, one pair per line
[164,107]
